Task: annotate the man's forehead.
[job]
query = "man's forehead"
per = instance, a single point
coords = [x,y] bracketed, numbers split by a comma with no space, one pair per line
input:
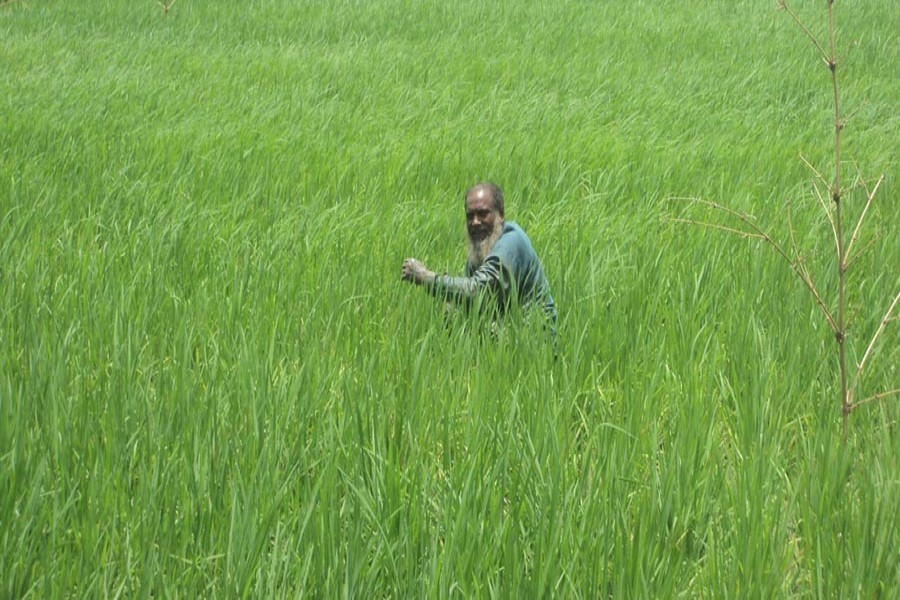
[479,197]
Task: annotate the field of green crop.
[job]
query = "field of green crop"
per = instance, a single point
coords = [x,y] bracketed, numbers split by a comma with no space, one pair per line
[214,384]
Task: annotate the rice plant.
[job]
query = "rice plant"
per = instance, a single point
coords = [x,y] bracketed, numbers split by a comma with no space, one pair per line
[213,382]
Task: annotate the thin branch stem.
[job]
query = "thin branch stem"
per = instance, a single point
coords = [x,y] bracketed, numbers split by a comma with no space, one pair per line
[881,326]
[852,114]
[860,180]
[819,197]
[814,170]
[827,214]
[822,200]
[743,217]
[738,232]
[840,333]
[791,231]
[783,5]
[166,6]
[795,266]
[799,259]
[876,397]
[852,259]
[869,198]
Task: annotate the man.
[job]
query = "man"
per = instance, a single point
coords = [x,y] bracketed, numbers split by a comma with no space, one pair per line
[501,268]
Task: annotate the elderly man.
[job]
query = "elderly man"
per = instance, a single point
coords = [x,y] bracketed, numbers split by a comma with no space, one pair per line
[501,268]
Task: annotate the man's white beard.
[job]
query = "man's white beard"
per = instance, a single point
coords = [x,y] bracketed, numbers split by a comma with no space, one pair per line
[478,250]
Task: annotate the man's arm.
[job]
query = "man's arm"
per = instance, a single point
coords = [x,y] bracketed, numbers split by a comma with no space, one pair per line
[490,275]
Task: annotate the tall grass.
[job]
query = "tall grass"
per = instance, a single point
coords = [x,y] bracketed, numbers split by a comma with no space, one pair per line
[212,381]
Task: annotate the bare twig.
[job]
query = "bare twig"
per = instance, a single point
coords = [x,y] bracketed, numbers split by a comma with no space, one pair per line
[852,259]
[804,276]
[852,114]
[881,326]
[876,397]
[795,265]
[802,271]
[783,6]
[869,197]
[819,197]
[846,246]
[166,6]
[737,232]
[827,214]
[742,216]
[815,170]
[860,180]
[840,337]
[790,223]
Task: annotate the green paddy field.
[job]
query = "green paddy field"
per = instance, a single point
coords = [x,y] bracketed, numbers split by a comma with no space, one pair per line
[214,384]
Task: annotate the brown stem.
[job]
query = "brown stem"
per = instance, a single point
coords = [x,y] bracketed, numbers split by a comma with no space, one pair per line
[757,232]
[783,5]
[166,6]
[876,397]
[869,197]
[827,212]
[810,166]
[862,364]
[736,232]
[790,223]
[840,335]
[852,114]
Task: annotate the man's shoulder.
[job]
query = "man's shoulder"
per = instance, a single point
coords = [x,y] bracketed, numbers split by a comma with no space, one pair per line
[512,232]
[513,244]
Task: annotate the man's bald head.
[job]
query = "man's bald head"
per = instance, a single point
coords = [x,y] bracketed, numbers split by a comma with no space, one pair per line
[487,190]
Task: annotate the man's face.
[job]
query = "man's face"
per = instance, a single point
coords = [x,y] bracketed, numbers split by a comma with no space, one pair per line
[481,215]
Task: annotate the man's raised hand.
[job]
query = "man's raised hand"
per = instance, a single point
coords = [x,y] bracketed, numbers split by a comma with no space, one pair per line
[416,272]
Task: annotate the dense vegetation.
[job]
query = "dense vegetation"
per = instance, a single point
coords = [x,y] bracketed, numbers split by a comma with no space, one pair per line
[213,382]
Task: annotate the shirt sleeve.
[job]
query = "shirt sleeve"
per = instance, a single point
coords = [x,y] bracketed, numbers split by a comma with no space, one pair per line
[489,276]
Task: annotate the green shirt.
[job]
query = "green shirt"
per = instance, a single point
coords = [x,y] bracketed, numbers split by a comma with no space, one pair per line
[511,273]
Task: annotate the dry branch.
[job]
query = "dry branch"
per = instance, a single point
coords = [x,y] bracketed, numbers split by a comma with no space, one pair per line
[796,265]
[852,114]
[815,170]
[783,6]
[881,326]
[824,205]
[737,232]
[846,252]
[880,396]
[869,197]
[166,6]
